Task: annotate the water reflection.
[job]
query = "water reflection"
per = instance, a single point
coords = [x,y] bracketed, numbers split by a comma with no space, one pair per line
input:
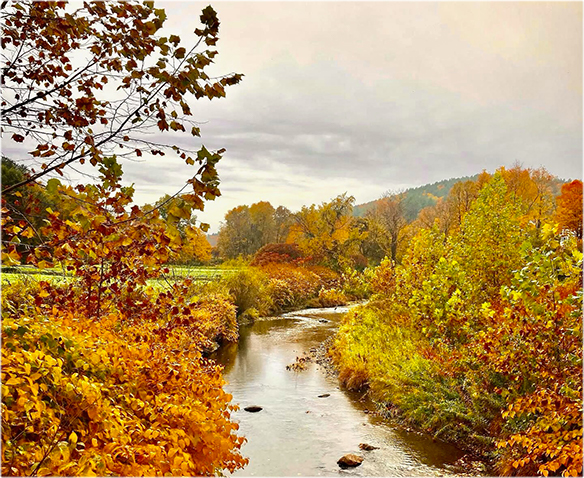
[298,433]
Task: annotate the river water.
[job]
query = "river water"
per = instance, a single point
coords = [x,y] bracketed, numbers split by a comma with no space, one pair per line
[299,434]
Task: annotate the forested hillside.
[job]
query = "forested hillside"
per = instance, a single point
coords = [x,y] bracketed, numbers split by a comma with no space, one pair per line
[416,199]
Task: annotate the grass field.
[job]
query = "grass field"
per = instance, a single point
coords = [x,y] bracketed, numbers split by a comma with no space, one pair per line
[11,275]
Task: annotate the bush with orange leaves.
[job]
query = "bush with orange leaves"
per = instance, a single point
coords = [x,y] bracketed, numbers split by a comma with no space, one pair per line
[110,396]
[291,286]
[277,253]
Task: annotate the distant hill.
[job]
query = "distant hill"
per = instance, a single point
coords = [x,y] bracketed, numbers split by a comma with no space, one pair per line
[427,195]
[418,198]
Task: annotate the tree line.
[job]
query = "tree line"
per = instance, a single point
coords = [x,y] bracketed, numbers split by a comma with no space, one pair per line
[331,233]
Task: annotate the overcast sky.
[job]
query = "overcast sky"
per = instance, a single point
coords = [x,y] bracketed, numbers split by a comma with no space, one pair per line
[365,97]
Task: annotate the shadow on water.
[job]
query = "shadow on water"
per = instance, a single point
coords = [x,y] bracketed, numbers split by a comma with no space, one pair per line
[298,433]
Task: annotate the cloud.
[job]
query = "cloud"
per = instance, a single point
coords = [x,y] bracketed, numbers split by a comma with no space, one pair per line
[369,96]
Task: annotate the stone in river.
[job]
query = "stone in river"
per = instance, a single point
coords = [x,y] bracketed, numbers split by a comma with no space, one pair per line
[366,447]
[324,395]
[253,408]
[350,460]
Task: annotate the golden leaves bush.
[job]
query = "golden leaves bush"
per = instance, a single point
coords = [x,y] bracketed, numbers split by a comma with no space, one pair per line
[106,375]
[331,297]
[292,286]
[94,398]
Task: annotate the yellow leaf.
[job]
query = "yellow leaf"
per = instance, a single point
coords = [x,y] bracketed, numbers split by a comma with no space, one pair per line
[28,232]
[92,412]
[73,437]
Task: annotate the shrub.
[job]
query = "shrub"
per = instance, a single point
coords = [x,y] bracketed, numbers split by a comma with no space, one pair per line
[111,396]
[216,317]
[291,286]
[249,288]
[328,278]
[356,286]
[383,278]
[331,297]
[276,253]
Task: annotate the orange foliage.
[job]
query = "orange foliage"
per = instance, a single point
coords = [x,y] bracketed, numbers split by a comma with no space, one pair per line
[569,212]
[273,253]
[89,397]
[291,285]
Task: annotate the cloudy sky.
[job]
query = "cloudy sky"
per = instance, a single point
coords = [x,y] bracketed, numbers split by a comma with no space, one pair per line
[365,97]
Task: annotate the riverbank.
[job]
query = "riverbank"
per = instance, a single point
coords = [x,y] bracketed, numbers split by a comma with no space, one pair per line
[392,362]
[275,288]
[470,464]
[307,420]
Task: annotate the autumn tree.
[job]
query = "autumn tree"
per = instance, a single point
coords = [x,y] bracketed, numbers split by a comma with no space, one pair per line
[234,233]
[327,232]
[389,213]
[106,374]
[27,205]
[541,206]
[82,84]
[534,340]
[371,247]
[488,243]
[282,223]
[532,190]
[247,228]
[569,212]
[438,215]
[263,223]
[459,201]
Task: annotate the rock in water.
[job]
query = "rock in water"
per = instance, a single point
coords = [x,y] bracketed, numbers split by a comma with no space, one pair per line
[253,409]
[366,447]
[324,395]
[350,460]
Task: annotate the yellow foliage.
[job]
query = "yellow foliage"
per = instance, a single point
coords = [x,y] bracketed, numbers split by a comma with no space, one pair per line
[331,297]
[87,397]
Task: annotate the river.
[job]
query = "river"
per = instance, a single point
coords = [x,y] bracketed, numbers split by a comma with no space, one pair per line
[299,434]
